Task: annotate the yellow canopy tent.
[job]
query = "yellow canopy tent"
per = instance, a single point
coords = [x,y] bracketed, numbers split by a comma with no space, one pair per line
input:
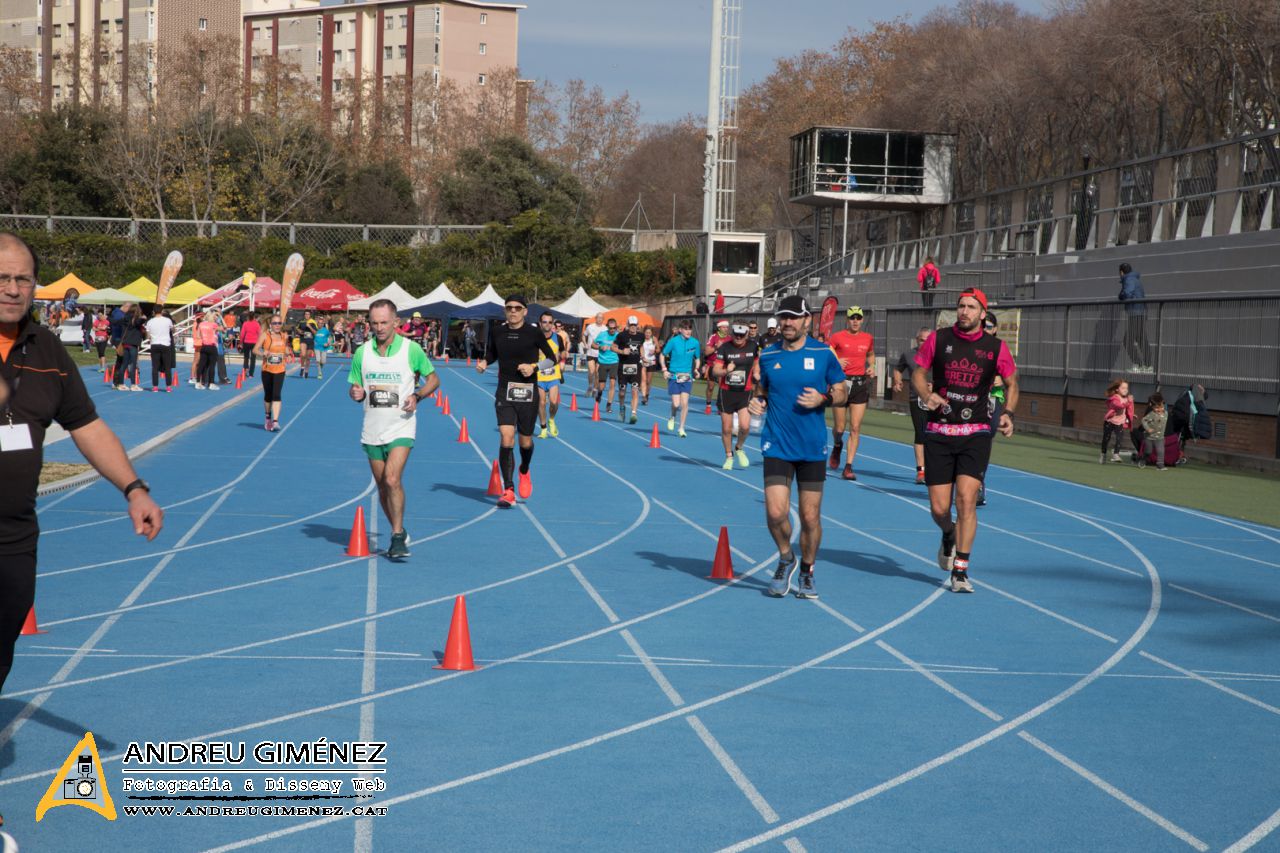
[187,292]
[58,290]
[144,289]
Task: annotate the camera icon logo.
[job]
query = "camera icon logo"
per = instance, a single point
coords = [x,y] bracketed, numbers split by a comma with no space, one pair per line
[80,782]
[85,786]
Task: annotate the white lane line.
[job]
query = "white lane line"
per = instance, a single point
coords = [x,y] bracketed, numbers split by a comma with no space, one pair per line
[1066,620]
[1153,610]
[600,738]
[178,549]
[363,842]
[939,682]
[1194,544]
[59,678]
[1195,676]
[273,579]
[1100,783]
[671,660]
[731,767]
[1256,834]
[1224,602]
[793,845]
[668,689]
[203,495]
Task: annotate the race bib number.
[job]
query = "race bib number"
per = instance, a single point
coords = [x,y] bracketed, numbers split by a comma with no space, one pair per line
[546,365]
[684,377]
[275,358]
[383,398]
[736,379]
[519,393]
[630,369]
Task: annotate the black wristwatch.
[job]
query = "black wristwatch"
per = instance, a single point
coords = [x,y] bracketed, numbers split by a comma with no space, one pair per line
[1010,414]
[137,484]
[828,400]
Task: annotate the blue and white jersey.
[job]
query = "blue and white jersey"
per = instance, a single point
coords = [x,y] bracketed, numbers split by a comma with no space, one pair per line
[791,431]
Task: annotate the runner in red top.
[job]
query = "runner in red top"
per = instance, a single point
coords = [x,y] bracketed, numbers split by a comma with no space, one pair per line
[715,340]
[856,351]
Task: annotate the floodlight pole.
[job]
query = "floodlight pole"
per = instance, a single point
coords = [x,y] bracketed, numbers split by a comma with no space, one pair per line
[713,122]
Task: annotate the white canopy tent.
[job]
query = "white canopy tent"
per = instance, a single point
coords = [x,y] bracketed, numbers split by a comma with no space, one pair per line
[441,293]
[580,305]
[488,296]
[397,294]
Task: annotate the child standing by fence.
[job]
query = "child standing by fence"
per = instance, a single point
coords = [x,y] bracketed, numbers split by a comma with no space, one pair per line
[1119,418]
[1153,424]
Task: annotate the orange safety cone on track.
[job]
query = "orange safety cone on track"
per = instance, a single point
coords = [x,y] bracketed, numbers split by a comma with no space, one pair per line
[595,412]
[29,627]
[457,649]
[445,410]
[439,395]
[573,402]
[240,381]
[722,567]
[653,439]
[495,481]
[463,438]
[358,544]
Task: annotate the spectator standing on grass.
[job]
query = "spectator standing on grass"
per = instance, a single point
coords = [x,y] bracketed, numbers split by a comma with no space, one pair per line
[929,278]
[1118,419]
[1153,424]
[1135,330]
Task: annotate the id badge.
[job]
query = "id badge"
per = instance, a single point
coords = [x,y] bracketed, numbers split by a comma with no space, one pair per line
[383,398]
[15,437]
[519,393]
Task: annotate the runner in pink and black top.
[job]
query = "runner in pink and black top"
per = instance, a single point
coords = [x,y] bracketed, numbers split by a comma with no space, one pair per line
[961,363]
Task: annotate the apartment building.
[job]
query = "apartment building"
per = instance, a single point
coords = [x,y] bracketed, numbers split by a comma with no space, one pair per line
[85,50]
[368,44]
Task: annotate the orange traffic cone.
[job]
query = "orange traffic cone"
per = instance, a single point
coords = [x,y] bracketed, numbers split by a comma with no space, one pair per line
[358,544]
[573,402]
[463,438]
[439,395]
[722,567]
[457,649]
[653,439]
[106,375]
[446,358]
[495,481]
[468,361]
[595,412]
[29,627]
[445,409]
[240,381]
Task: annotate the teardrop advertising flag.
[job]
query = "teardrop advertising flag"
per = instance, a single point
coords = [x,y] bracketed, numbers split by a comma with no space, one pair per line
[827,319]
[168,275]
[292,274]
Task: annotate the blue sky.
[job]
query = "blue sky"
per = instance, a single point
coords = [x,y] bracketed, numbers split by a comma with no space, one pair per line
[659,50]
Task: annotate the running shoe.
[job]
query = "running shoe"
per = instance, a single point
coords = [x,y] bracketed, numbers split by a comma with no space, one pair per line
[947,552]
[211,387]
[837,450]
[708,410]
[275,426]
[526,485]
[633,417]
[781,583]
[608,407]
[1142,462]
[682,434]
[1102,458]
[622,413]
[743,461]
[644,401]
[7,843]
[135,387]
[507,499]
[920,478]
[982,496]
[671,424]
[399,545]
[199,386]
[321,375]
[554,431]
[728,463]
[154,389]
[848,474]
[807,589]
[960,581]
[1115,457]
[543,433]
[267,425]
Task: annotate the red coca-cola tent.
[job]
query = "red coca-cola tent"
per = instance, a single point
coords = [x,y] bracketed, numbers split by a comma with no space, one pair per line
[326,294]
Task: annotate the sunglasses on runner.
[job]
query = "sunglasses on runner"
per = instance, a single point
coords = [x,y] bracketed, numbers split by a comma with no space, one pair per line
[513,307]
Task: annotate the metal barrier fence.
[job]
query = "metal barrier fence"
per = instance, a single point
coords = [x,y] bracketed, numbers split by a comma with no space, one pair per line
[1225,343]
[320,236]
[1223,188]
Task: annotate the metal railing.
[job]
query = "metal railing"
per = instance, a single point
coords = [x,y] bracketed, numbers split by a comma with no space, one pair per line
[1225,343]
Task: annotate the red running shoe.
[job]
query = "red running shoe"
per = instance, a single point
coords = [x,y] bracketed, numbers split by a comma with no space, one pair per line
[837,451]
[848,473]
[919,478]
[507,499]
[525,485]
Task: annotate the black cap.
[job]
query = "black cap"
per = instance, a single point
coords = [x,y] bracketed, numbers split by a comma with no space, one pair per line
[792,306]
[517,297]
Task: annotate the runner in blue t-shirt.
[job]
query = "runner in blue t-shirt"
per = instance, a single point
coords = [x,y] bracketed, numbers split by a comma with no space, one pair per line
[607,372]
[679,359]
[799,379]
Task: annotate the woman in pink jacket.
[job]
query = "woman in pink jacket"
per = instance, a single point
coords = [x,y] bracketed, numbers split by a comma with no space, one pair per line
[1119,418]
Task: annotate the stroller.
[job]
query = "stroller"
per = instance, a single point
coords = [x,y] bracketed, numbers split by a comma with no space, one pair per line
[1189,420]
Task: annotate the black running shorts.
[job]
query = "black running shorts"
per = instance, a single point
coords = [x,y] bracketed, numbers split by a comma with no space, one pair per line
[858,389]
[949,457]
[810,476]
[522,416]
[730,401]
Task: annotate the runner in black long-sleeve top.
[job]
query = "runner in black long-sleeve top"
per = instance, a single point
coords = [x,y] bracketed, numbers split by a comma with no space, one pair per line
[517,348]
